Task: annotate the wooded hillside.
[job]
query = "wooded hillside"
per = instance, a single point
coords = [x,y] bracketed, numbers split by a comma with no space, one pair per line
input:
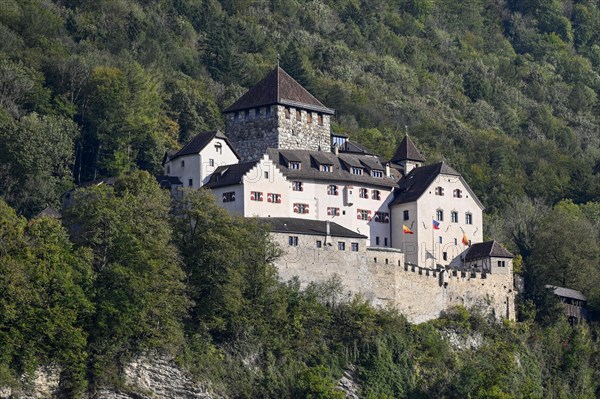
[506,91]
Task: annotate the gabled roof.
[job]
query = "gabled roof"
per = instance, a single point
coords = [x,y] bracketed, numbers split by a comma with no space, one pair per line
[418,180]
[168,181]
[310,227]
[352,147]
[229,175]
[407,151]
[567,292]
[278,88]
[201,140]
[487,249]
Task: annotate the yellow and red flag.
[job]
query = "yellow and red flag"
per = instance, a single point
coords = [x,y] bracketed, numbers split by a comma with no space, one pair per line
[465,240]
[406,230]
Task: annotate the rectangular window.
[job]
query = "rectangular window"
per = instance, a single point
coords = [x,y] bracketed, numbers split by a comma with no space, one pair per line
[236,117]
[406,215]
[211,162]
[247,115]
[268,112]
[190,182]
[363,193]
[354,247]
[168,169]
[454,217]
[469,218]
[356,171]
[300,208]
[297,186]
[182,164]
[320,119]
[331,211]
[219,148]
[382,217]
[439,215]
[501,263]
[256,113]
[309,117]
[376,195]
[363,214]
[385,241]
[456,241]
[377,173]
[332,189]
[266,175]
[229,197]
[319,244]
[325,168]
[286,111]
[439,239]
[298,115]
[457,193]
[377,240]
[439,191]
[256,196]
[274,198]
[445,255]
[293,241]
[342,246]
[294,165]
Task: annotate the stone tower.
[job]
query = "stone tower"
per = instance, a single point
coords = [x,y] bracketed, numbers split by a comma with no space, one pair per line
[407,157]
[277,113]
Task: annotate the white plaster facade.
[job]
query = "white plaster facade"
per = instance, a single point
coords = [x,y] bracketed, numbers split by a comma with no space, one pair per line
[427,246]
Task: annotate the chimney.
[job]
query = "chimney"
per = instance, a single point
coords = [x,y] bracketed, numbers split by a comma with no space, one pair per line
[336,149]
[328,228]
[388,171]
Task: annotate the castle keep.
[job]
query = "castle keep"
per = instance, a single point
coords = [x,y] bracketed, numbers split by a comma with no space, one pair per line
[400,232]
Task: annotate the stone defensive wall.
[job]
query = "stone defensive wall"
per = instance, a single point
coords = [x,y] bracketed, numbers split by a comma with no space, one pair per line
[383,278]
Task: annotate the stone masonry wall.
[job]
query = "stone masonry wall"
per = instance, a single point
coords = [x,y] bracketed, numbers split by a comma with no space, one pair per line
[252,133]
[384,279]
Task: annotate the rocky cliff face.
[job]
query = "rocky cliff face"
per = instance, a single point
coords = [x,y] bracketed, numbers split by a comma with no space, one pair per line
[145,378]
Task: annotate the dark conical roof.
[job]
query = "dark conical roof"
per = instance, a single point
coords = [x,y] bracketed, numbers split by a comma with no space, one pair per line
[407,151]
[278,88]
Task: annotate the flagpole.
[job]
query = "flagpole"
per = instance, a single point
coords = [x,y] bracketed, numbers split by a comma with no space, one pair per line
[433,243]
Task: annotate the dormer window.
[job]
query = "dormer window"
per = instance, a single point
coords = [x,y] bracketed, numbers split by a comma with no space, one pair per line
[294,165]
[320,119]
[356,171]
[439,191]
[377,173]
[325,168]
[457,193]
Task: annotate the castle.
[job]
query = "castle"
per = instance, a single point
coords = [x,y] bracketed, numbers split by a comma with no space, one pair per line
[399,232]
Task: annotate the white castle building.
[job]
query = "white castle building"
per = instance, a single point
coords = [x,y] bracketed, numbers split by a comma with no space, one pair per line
[397,231]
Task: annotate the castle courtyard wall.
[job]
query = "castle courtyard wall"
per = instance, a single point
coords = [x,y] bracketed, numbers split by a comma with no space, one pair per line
[383,278]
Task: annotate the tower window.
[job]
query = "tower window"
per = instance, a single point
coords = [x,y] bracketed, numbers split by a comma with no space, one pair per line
[168,169]
[293,241]
[298,115]
[236,117]
[256,113]
[286,111]
[247,115]
[309,117]
[354,247]
[268,112]
[320,119]
[341,246]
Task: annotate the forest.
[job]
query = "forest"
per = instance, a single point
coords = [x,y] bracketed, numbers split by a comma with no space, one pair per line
[505,91]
